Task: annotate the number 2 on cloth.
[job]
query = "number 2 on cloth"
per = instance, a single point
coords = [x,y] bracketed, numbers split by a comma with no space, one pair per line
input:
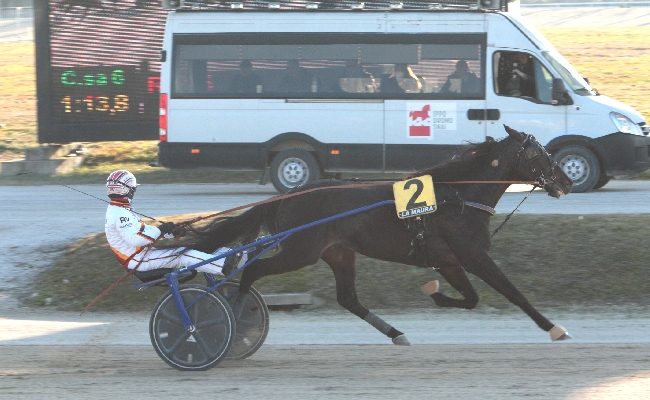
[415,196]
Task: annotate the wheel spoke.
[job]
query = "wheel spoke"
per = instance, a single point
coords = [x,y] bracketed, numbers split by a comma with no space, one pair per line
[194,311]
[212,322]
[176,319]
[181,339]
[205,348]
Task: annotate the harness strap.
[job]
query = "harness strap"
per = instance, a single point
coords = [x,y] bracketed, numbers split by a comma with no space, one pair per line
[481,207]
[417,225]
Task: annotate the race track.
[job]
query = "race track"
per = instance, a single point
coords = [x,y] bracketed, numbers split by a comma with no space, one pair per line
[477,354]
[536,371]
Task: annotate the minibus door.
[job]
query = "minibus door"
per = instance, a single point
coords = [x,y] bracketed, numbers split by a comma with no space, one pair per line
[524,105]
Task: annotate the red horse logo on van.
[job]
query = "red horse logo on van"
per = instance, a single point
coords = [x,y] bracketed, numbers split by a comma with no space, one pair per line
[417,125]
[422,114]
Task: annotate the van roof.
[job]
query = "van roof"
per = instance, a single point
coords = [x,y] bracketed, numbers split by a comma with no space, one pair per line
[341,5]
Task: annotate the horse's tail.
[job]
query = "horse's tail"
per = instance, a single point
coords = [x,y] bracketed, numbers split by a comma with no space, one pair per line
[242,228]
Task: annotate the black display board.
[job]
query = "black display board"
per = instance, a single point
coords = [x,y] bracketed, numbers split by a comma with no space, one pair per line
[98,69]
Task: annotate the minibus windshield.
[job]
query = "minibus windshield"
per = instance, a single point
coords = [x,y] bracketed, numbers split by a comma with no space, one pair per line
[569,74]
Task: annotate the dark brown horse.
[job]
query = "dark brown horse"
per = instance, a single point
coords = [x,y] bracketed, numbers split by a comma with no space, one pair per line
[455,238]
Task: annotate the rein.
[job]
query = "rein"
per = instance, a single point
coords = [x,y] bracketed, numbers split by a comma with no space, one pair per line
[119,281]
[512,213]
[352,186]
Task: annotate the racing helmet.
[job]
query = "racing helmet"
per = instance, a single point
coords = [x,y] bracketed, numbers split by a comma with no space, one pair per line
[121,183]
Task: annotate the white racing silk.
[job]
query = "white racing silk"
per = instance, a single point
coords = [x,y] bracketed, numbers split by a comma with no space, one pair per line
[129,238]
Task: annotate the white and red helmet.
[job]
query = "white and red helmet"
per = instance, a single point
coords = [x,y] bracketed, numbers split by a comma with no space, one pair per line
[121,183]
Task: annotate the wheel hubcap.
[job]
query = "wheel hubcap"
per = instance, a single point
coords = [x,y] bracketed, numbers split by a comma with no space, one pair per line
[293,172]
[576,167]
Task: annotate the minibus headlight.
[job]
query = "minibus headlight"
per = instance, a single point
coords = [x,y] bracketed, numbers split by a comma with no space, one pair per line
[624,124]
[646,129]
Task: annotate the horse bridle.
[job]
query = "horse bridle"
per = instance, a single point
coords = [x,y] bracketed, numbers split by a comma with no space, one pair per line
[532,151]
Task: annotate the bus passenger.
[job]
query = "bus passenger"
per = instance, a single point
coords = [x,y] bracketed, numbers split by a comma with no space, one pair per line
[356,80]
[462,80]
[403,80]
[296,79]
[246,80]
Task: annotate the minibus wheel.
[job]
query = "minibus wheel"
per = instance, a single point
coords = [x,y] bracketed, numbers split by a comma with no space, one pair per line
[293,167]
[602,181]
[581,165]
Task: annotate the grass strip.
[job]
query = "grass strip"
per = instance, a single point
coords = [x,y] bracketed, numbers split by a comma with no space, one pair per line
[557,261]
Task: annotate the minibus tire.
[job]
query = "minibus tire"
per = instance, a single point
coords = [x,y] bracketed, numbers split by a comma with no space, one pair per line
[602,181]
[581,165]
[293,167]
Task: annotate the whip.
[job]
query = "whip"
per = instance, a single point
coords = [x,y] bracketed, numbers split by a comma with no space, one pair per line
[105,201]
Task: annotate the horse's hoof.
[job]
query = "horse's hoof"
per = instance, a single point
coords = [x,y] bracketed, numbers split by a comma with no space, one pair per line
[430,288]
[401,340]
[559,333]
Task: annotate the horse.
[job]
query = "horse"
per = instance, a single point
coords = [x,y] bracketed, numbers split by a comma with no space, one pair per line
[454,240]
[422,114]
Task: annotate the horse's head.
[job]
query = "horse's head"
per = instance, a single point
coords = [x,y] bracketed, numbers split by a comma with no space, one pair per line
[535,163]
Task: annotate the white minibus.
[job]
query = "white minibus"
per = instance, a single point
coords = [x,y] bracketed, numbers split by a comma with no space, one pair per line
[311,94]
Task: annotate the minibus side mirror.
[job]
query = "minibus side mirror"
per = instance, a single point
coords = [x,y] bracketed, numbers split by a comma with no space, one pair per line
[586,80]
[560,96]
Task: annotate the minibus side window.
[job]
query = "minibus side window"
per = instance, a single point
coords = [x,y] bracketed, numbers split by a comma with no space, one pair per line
[329,66]
[519,74]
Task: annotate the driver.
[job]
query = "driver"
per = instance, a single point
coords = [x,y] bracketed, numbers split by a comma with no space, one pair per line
[521,81]
[131,239]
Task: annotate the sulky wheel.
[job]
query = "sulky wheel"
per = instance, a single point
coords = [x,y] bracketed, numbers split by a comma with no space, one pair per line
[207,345]
[252,321]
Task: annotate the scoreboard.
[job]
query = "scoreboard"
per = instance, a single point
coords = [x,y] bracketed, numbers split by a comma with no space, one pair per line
[98,69]
[104,93]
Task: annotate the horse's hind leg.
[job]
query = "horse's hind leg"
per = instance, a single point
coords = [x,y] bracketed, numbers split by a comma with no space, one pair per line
[342,261]
[458,280]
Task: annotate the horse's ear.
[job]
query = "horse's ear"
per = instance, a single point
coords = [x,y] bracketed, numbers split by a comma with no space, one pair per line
[519,136]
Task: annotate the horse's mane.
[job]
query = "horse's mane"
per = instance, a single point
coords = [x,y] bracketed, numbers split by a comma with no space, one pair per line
[458,166]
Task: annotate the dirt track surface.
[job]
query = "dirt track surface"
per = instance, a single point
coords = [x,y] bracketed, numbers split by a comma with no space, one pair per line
[548,371]
[473,355]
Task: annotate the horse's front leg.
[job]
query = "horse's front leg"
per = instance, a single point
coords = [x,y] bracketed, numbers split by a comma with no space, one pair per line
[477,261]
[342,261]
[458,280]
